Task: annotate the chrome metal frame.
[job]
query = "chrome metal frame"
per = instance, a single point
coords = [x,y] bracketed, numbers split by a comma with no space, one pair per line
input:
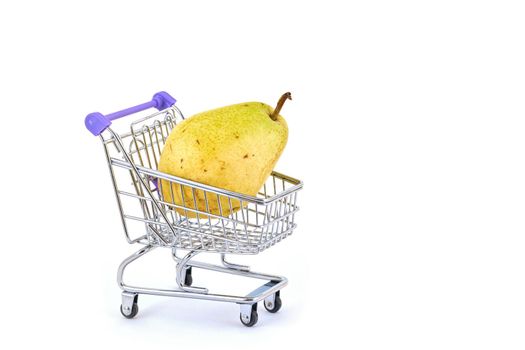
[260,221]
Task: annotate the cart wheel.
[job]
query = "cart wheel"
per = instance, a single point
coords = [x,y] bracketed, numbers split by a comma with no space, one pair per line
[275,306]
[253,317]
[188,280]
[134,311]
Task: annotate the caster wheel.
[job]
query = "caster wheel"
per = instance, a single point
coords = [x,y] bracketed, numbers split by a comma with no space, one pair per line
[188,280]
[275,306]
[253,317]
[134,311]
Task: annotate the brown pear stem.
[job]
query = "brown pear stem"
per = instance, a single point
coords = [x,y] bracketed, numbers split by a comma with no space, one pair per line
[280,103]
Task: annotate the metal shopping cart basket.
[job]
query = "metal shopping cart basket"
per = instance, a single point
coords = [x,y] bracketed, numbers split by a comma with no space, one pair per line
[261,221]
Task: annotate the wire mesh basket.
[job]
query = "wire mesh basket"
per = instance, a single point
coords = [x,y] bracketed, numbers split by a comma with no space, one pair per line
[207,218]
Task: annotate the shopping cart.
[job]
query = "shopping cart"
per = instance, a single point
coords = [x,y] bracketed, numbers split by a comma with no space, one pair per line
[153,221]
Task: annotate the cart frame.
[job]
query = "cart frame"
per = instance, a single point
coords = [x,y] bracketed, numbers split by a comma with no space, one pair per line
[264,220]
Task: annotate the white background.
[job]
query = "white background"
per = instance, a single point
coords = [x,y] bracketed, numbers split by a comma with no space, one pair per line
[407,128]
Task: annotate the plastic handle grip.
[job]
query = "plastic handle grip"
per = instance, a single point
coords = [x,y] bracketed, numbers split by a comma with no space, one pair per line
[96,122]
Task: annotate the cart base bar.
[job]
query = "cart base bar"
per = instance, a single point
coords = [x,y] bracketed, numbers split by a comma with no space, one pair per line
[269,292]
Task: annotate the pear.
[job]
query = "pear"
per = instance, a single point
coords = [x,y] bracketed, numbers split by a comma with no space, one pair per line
[233,148]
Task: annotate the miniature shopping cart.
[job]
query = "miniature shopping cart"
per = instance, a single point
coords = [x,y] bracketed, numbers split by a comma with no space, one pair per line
[151,220]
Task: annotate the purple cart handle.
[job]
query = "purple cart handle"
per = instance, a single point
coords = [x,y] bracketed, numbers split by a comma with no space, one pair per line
[97,122]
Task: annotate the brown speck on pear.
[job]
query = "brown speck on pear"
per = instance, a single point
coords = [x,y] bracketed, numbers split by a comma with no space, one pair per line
[198,142]
[245,156]
[205,170]
[182,160]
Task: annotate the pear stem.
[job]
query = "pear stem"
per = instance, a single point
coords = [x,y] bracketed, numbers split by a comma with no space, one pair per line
[280,103]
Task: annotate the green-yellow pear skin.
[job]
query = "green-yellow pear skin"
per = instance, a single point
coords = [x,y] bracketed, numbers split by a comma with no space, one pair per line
[233,148]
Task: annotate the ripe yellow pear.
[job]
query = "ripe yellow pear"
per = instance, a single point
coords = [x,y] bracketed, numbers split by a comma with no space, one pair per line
[233,148]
